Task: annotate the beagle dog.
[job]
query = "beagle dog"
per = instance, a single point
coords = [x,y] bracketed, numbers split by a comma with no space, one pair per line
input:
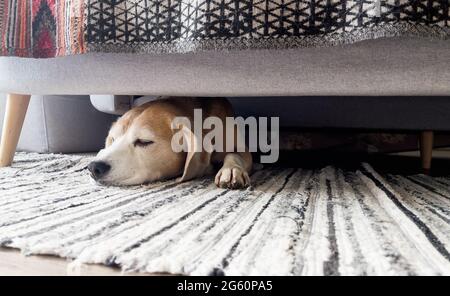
[138,147]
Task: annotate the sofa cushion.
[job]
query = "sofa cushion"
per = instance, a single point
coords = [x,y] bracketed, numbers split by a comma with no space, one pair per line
[393,66]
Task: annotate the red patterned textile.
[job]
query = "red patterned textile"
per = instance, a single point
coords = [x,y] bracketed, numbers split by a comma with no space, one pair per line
[41,28]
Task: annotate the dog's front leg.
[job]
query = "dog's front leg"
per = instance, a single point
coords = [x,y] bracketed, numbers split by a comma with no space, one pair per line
[235,170]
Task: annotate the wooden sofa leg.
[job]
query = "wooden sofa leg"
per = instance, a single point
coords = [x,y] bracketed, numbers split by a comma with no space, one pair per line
[426,150]
[16,108]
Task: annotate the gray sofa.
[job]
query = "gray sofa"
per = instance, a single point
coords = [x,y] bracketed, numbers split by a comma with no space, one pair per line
[61,124]
[417,70]
[380,67]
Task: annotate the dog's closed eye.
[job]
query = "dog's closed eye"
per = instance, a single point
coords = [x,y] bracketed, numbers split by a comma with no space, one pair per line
[142,143]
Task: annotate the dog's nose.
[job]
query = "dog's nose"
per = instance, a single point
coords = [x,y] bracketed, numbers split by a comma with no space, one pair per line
[98,169]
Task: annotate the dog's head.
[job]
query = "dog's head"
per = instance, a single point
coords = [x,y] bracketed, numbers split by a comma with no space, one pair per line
[138,149]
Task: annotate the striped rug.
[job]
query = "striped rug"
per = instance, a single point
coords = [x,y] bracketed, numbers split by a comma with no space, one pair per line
[327,221]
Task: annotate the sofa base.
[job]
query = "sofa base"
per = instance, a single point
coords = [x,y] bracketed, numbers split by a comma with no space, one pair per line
[380,67]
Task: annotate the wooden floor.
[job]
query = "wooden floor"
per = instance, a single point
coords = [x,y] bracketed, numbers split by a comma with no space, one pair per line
[12,262]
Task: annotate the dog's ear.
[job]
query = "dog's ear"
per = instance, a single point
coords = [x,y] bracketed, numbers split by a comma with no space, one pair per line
[198,160]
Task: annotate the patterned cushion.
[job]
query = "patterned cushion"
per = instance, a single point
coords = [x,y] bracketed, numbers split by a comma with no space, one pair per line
[47,28]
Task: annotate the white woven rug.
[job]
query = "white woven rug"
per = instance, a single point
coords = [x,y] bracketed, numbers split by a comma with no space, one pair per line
[292,222]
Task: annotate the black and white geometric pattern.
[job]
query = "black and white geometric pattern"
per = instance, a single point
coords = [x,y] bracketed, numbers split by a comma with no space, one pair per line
[189,25]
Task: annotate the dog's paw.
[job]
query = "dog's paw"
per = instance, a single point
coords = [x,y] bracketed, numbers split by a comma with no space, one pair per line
[232,178]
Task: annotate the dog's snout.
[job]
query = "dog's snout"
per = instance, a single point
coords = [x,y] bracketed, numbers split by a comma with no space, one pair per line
[98,169]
